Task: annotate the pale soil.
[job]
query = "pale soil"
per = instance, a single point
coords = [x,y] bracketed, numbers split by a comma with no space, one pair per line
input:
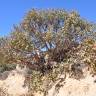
[14,84]
[73,87]
[70,87]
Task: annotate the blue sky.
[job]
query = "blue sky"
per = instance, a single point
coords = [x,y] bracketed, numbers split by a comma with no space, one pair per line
[13,11]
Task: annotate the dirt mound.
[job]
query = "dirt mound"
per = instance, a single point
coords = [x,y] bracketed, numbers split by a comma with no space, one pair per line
[86,86]
[73,87]
[13,84]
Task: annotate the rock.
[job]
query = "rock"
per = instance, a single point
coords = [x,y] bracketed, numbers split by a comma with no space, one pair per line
[4,75]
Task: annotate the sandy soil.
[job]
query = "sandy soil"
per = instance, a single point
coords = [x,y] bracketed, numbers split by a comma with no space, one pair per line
[14,84]
[70,87]
[73,87]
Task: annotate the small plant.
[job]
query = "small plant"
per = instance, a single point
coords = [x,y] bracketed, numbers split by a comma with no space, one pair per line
[3,92]
[6,67]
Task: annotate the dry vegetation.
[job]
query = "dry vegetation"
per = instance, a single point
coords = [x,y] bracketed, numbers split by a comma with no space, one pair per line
[51,43]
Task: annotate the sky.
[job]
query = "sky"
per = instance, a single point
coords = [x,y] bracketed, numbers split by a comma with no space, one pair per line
[13,11]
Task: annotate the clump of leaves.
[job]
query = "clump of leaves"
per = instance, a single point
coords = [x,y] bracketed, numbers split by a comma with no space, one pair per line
[90,54]
[85,54]
[7,67]
[56,31]
[35,82]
